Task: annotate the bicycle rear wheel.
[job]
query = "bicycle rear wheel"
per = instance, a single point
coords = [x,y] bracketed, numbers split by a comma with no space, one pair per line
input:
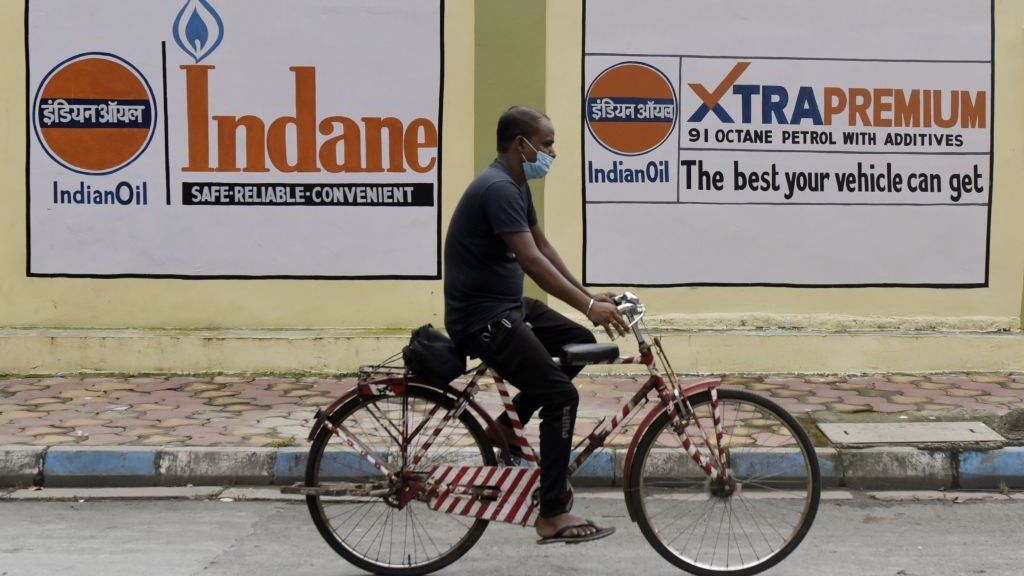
[376,533]
[714,528]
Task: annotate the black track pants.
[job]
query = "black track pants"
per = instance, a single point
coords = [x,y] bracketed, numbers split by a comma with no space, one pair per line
[523,356]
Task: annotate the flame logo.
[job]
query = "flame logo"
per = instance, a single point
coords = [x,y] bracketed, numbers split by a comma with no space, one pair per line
[198,29]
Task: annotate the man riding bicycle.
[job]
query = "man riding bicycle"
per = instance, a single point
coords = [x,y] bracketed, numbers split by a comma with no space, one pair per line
[493,239]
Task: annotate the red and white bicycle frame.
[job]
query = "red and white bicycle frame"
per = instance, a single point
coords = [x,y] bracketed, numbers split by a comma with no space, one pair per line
[506,493]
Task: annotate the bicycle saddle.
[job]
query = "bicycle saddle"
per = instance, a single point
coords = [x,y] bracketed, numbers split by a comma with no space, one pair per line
[581,354]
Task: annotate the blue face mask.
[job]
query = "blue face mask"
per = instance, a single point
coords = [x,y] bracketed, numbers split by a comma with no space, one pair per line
[540,168]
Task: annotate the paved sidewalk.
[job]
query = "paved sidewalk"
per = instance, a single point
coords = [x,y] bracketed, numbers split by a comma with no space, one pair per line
[276,412]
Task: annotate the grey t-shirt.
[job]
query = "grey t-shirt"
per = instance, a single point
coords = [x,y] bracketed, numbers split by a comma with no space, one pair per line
[482,279]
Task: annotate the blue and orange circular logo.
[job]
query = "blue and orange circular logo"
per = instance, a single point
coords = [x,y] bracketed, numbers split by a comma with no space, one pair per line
[631,108]
[94,113]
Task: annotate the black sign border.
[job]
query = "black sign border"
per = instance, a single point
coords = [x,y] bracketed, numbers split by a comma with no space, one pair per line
[988,233]
[28,191]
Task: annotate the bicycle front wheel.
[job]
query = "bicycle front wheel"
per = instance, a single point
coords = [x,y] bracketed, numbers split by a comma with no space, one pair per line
[734,527]
[376,530]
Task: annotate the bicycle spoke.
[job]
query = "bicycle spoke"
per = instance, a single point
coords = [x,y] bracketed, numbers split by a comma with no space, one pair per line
[751,518]
[381,530]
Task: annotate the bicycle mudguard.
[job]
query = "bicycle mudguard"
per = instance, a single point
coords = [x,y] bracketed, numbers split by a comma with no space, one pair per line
[495,493]
[691,390]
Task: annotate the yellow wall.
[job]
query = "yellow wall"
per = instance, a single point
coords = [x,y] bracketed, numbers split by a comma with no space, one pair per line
[71,325]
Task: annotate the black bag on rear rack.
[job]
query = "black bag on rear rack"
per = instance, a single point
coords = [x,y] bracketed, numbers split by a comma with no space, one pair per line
[432,355]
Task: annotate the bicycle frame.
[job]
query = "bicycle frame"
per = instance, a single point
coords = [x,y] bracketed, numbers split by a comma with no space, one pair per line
[672,397]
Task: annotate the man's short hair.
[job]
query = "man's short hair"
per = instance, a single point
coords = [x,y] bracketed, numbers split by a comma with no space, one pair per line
[515,122]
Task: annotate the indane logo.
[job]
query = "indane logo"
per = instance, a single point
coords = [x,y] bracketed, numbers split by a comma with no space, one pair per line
[198,29]
[347,145]
[854,106]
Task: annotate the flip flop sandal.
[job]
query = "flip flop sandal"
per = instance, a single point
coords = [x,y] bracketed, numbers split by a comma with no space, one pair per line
[560,536]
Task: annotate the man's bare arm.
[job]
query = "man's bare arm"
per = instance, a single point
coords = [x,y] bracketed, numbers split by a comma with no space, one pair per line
[552,281]
[549,252]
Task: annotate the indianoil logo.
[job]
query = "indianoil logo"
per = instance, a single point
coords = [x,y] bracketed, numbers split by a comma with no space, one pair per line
[631,108]
[94,113]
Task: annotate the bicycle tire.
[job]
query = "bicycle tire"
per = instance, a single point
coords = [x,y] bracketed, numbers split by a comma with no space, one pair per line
[636,490]
[320,517]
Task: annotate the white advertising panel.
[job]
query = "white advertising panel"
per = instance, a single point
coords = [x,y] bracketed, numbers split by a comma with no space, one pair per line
[234,138]
[743,142]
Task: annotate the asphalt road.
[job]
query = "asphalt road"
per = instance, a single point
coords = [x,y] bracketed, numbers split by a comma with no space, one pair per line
[140,538]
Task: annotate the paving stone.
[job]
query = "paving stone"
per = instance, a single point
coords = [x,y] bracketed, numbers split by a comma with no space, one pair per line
[784,381]
[227,401]
[216,394]
[300,393]
[958,401]
[200,387]
[98,429]
[818,400]
[932,407]
[39,403]
[267,441]
[110,385]
[185,380]
[1010,400]
[144,432]
[903,378]
[847,408]
[75,394]
[153,407]
[964,392]
[162,440]
[739,380]
[954,379]
[108,440]
[11,430]
[248,430]
[825,379]
[230,379]
[908,400]
[235,408]
[14,415]
[788,393]
[761,387]
[865,380]
[44,430]
[933,386]
[991,378]
[54,440]
[8,387]
[173,422]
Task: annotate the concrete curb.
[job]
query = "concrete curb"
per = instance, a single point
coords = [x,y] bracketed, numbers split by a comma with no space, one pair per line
[20,465]
[890,468]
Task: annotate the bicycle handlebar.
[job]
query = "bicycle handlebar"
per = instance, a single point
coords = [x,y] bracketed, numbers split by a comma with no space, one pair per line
[629,306]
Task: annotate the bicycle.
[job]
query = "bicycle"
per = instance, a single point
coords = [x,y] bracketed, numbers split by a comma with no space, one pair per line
[401,478]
